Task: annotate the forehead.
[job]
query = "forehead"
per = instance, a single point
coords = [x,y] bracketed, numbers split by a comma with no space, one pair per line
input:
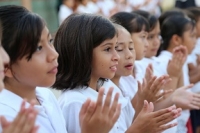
[123,34]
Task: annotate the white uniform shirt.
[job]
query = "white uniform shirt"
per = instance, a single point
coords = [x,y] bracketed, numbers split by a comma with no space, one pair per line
[129,86]
[164,58]
[71,102]
[49,118]
[63,13]
[127,110]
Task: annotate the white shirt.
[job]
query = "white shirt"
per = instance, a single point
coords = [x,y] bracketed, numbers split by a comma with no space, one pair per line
[49,118]
[127,110]
[164,58]
[71,102]
[63,13]
[93,7]
[106,6]
[129,86]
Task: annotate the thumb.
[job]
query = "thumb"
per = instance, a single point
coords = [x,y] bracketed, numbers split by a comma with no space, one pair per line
[151,107]
[145,107]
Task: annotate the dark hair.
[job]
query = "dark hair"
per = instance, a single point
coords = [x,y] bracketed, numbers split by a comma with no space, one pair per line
[174,25]
[150,18]
[174,12]
[75,40]
[195,11]
[21,31]
[130,21]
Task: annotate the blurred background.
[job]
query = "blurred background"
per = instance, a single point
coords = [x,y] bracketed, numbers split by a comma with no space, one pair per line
[54,11]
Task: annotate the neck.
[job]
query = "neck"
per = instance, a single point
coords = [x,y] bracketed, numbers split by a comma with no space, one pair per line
[115,80]
[171,47]
[24,91]
[93,83]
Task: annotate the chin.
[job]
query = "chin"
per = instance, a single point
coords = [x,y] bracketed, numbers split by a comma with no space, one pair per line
[109,76]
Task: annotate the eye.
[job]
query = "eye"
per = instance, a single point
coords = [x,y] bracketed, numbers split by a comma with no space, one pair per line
[39,48]
[150,37]
[131,48]
[51,41]
[107,49]
[119,50]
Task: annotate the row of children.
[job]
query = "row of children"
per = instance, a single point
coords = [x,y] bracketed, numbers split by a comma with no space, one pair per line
[105,7]
[90,52]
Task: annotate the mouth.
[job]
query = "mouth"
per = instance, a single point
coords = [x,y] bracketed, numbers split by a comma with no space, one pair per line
[129,66]
[113,68]
[54,70]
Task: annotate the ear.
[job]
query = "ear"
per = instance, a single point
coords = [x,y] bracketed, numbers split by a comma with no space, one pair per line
[8,72]
[176,40]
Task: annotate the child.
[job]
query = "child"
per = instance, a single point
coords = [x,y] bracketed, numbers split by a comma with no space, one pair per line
[90,45]
[65,10]
[126,51]
[176,31]
[138,28]
[33,62]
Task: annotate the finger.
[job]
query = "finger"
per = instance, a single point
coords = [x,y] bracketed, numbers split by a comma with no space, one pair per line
[167,117]
[187,87]
[165,127]
[156,85]
[100,100]
[35,129]
[107,102]
[117,114]
[4,122]
[29,122]
[145,108]
[162,111]
[151,83]
[191,66]
[151,107]
[84,107]
[15,125]
[90,112]
[114,106]
[139,87]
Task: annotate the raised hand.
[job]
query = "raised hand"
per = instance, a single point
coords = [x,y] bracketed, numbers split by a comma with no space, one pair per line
[175,65]
[154,122]
[186,99]
[100,117]
[151,90]
[23,123]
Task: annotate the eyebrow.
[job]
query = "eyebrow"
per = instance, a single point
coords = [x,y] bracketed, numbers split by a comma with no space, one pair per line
[107,44]
[121,43]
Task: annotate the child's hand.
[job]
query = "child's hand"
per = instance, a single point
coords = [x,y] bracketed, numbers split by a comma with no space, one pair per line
[175,65]
[23,123]
[185,99]
[100,117]
[148,121]
[194,71]
[149,72]
[151,90]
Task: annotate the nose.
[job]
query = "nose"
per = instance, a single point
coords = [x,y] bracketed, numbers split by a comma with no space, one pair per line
[115,56]
[52,54]
[129,54]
